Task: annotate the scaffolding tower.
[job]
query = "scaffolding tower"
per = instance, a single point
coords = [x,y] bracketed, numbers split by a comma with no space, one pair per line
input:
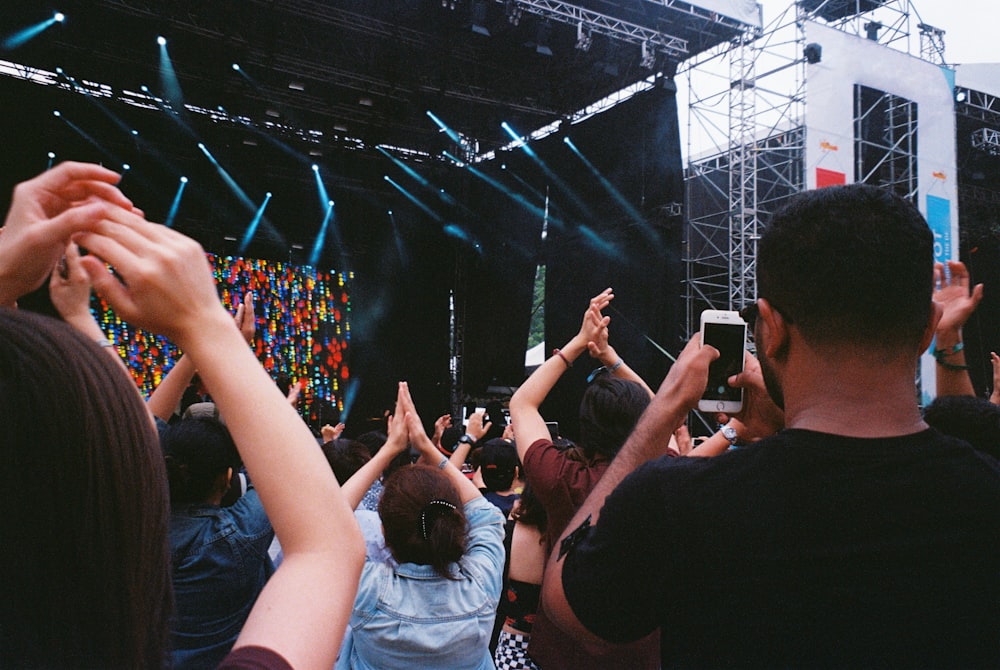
[746,136]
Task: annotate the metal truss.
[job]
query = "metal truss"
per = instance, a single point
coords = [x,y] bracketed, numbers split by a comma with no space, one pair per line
[977,105]
[885,141]
[987,140]
[747,110]
[672,46]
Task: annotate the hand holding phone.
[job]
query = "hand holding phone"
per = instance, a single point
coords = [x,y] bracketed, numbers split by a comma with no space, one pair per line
[727,332]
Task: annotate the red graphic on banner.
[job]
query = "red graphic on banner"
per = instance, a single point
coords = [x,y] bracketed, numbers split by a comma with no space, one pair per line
[826,178]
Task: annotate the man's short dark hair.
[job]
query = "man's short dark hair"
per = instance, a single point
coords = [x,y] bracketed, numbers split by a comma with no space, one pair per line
[849,264]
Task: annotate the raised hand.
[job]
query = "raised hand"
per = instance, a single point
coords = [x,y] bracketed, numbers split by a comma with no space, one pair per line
[760,417]
[162,282]
[952,292]
[245,318]
[69,290]
[478,425]
[44,213]
[593,320]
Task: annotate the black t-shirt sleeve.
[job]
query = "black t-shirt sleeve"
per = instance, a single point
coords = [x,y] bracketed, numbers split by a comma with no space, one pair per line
[619,577]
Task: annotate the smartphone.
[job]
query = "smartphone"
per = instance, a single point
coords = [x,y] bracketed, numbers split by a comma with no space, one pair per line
[469,411]
[727,332]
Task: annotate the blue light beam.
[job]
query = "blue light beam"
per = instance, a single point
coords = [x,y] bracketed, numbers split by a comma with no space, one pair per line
[321,236]
[252,228]
[416,201]
[25,35]
[608,186]
[176,205]
[168,77]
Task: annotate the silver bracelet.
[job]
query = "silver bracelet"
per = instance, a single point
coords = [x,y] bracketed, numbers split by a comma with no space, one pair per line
[444,463]
[616,365]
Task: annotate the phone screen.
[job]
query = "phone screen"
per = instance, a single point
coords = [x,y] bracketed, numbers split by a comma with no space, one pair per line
[729,339]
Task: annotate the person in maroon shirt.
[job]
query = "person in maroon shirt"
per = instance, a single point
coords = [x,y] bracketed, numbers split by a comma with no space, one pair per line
[562,479]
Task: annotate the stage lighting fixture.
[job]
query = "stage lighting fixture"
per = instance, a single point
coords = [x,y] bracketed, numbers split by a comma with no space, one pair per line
[813,53]
[51,155]
[648,59]
[330,204]
[135,132]
[871,30]
[126,167]
[236,66]
[268,194]
[161,40]
[184,180]
[59,17]
[144,88]
[56,112]
[315,168]
[960,96]
[201,146]
[584,39]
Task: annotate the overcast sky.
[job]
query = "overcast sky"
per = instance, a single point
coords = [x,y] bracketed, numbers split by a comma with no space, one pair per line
[969,25]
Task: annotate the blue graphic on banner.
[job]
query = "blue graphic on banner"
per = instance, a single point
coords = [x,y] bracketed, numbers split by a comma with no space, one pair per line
[939,220]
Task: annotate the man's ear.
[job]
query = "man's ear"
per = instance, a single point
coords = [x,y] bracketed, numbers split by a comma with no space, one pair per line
[932,322]
[775,329]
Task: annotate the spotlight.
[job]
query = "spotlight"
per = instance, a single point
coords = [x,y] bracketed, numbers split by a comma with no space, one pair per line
[236,66]
[200,145]
[331,203]
[503,166]
[126,167]
[135,132]
[144,88]
[315,168]
[58,17]
[161,40]
[184,180]
[59,70]
[813,53]
[960,96]
[268,194]
[56,112]
[648,59]
[390,212]
[584,40]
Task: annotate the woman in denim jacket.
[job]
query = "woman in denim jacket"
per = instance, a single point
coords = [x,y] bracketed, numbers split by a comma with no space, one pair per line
[435,609]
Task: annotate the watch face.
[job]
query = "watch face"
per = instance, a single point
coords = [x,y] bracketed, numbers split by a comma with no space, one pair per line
[729,433]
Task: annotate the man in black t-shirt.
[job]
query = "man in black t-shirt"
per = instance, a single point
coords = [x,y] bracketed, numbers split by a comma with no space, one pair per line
[856,536]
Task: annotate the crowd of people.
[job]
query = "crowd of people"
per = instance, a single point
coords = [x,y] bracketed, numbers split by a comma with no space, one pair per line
[832,522]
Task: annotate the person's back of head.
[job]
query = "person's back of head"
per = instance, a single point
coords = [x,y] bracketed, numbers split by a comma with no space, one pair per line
[199,452]
[423,518]
[87,574]
[849,265]
[608,412]
[373,440]
[498,462]
[345,457]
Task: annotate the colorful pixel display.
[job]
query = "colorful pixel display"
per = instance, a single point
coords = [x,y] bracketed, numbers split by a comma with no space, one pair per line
[303,330]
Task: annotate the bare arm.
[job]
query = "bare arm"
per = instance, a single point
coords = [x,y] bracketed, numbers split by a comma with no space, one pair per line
[429,454]
[168,288]
[952,292]
[529,426]
[602,350]
[397,442]
[677,395]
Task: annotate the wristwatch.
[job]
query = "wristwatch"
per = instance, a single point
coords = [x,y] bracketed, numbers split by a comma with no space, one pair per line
[730,434]
[467,439]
